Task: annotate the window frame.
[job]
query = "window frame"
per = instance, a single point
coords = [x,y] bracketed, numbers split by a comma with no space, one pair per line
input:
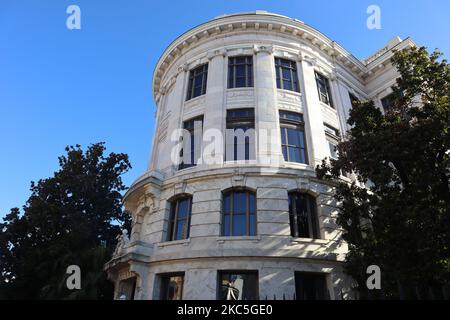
[298,125]
[231,213]
[316,275]
[322,82]
[236,123]
[332,136]
[293,74]
[220,274]
[193,74]
[312,217]
[164,287]
[173,218]
[191,130]
[232,75]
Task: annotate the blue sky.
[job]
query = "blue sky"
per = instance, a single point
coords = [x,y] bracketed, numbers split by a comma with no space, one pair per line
[63,87]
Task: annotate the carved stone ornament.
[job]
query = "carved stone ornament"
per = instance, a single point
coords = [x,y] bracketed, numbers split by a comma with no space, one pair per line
[122,242]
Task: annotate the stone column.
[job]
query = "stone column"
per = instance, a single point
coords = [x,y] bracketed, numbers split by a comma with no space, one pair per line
[266,113]
[315,135]
[173,106]
[214,101]
[142,281]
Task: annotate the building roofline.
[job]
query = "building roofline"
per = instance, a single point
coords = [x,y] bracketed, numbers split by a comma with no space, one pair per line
[225,23]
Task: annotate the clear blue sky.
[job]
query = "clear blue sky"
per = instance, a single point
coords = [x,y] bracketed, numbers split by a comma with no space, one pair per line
[60,87]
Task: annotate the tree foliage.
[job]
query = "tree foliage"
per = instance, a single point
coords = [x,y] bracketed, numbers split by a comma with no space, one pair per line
[396,215]
[71,218]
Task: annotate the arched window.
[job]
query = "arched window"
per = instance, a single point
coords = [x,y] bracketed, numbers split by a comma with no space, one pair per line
[180,218]
[303,215]
[239,213]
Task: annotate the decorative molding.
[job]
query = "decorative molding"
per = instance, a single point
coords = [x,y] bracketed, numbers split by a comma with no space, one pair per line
[183,68]
[266,49]
[215,53]
[311,61]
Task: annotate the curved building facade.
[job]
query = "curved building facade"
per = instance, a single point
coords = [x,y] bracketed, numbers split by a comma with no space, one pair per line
[230,207]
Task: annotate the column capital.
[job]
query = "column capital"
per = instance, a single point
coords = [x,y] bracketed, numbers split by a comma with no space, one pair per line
[266,49]
[182,68]
[310,60]
[214,53]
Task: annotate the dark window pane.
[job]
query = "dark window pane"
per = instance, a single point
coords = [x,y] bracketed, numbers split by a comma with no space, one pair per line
[252,231]
[287,85]
[283,135]
[240,82]
[227,225]
[239,225]
[284,149]
[294,155]
[183,208]
[172,287]
[240,71]
[197,91]
[302,138]
[181,230]
[239,202]
[303,215]
[286,74]
[310,286]
[226,203]
[251,198]
[293,137]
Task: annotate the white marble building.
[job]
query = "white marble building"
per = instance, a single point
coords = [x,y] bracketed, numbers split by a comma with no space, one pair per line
[257,228]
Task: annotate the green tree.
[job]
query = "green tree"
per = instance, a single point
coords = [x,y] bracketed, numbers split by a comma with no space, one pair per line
[71,218]
[397,215]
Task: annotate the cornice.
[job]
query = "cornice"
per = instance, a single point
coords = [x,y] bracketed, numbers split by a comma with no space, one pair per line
[235,24]
[258,23]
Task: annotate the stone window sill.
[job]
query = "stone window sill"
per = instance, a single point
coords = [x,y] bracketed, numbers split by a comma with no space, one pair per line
[292,92]
[245,89]
[193,100]
[309,241]
[239,238]
[297,165]
[173,243]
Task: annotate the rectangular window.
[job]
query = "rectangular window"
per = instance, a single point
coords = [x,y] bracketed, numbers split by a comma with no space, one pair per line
[388,102]
[286,73]
[238,285]
[197,82]
[293,142]
[311,286]
[323,88]
[192,146]
[240,135]
[303,216]
[332,136]
[180,219]
[171,287]
[240,72]
[239,213]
